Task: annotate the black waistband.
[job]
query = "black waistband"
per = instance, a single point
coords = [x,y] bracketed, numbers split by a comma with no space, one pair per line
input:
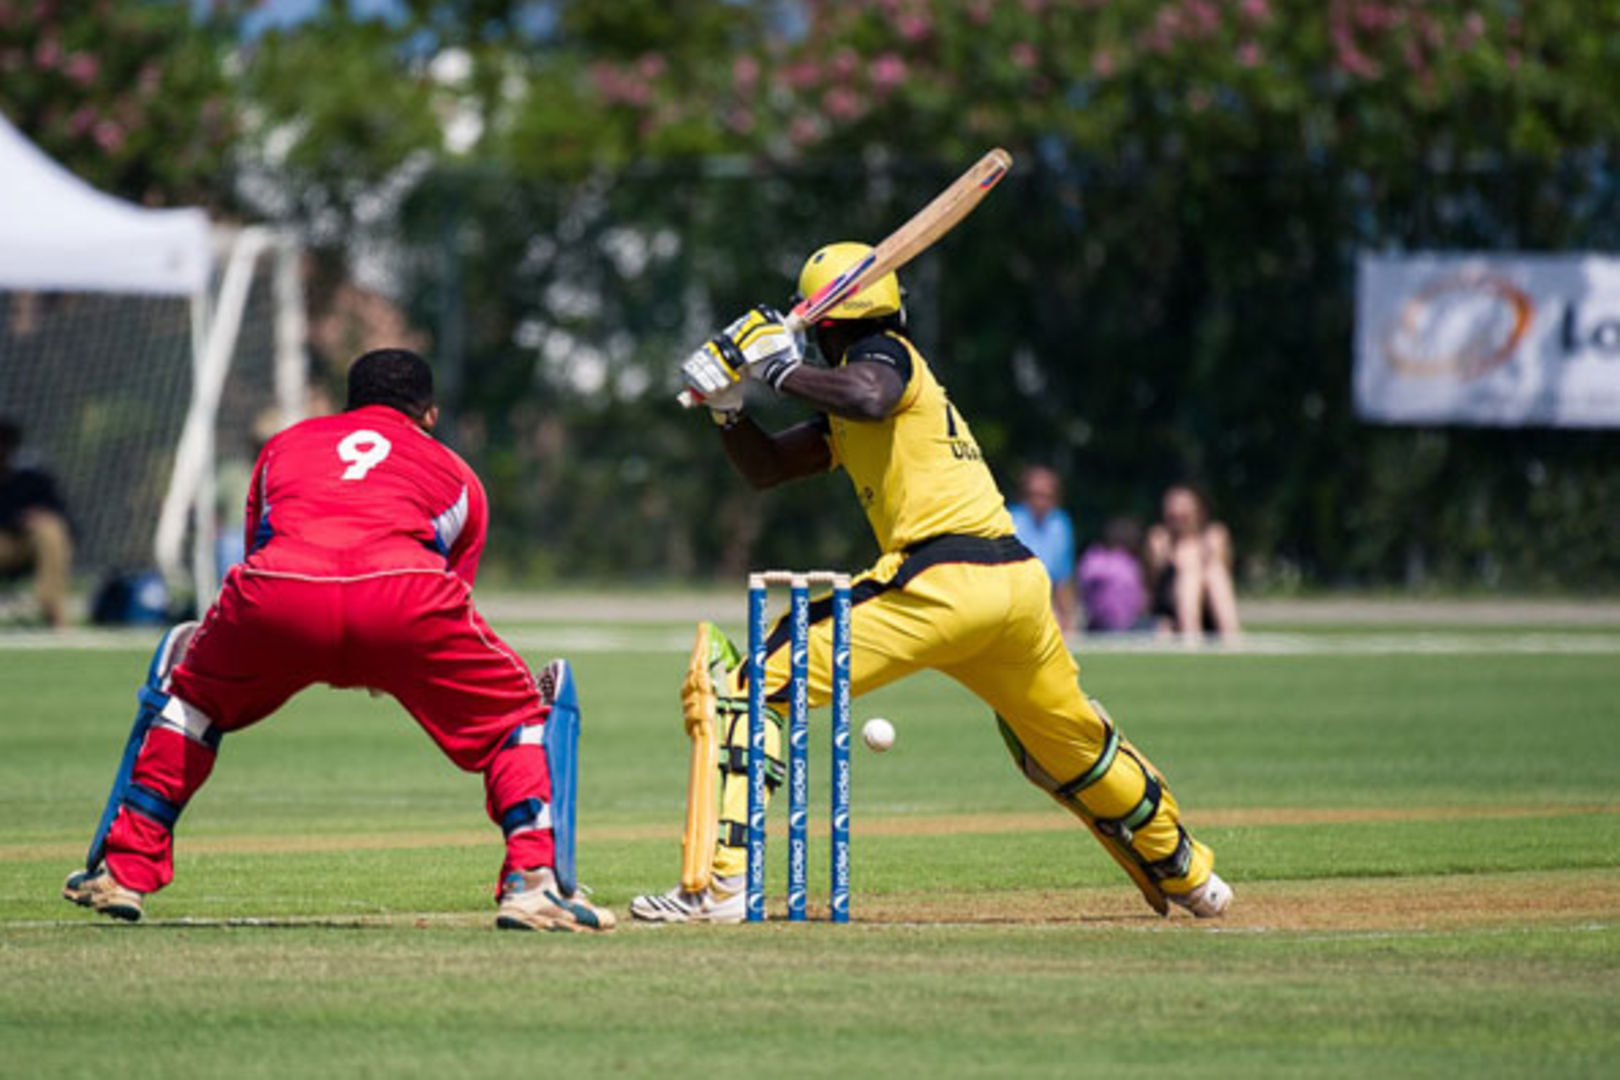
[945,548]
[954,548]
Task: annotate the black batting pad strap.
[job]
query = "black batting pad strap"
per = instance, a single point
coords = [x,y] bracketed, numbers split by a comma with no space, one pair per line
[1105,761]
[733,834]
[735,762]
[1174,865]
[1143,811]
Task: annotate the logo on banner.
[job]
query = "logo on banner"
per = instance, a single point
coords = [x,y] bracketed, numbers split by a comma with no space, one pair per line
[1464,325]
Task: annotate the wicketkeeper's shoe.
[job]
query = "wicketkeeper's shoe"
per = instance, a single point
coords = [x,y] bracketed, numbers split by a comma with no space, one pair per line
[532,900]
[1209,900]
[711,905]
[99,890]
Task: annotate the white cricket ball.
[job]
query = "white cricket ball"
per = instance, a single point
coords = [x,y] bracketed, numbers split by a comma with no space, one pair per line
[878,734]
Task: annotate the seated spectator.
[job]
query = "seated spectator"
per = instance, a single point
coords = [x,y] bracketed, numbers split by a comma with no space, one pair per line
[34,533]
[1189,562]
[1113,593]
[1045,529]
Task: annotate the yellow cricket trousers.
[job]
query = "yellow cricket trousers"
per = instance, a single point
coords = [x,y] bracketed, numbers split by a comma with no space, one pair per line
[979,610]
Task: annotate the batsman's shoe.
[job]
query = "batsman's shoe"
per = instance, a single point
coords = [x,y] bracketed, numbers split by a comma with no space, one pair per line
[1209,900]
[532,900]
[99,890]
[708,905]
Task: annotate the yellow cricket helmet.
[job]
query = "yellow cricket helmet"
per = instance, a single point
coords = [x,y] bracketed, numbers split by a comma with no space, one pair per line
[880,298]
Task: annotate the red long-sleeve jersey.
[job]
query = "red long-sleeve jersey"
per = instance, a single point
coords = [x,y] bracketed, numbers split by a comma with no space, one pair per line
[361,492]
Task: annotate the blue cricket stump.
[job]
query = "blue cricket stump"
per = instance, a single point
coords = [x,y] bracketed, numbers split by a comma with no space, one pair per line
[798,739]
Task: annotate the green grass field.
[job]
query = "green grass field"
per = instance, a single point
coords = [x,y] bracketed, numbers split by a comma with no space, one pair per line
[1425,844]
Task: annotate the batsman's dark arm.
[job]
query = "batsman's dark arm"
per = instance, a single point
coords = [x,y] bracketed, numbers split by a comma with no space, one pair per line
[857,390]
[766,460]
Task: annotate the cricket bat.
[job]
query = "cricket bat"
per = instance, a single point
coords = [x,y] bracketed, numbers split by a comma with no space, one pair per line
[901,246]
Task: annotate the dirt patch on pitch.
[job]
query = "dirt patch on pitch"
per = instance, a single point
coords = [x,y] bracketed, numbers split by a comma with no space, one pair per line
[1475,901]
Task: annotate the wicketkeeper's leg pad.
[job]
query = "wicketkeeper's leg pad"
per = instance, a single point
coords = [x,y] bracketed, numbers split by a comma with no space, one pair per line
[1128,807]
[157,708]
[562,761]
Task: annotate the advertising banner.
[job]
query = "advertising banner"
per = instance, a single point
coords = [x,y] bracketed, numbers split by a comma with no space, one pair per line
[1488,339]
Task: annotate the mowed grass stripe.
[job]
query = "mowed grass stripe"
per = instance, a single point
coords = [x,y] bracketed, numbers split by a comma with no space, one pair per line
[913,825]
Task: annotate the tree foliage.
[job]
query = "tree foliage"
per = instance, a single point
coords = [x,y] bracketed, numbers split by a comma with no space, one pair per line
[131,97]
[574,192]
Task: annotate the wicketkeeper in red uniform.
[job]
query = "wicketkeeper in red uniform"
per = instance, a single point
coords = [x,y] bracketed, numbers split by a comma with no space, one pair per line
[364,535]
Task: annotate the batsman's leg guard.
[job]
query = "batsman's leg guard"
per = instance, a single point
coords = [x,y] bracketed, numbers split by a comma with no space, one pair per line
[152,697]
[1117,797]
[557,687]
[705,696]
[731,852]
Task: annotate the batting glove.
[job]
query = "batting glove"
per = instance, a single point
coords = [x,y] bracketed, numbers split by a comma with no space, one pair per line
[762,343]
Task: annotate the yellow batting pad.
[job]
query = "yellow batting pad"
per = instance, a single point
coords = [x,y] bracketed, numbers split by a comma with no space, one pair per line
[702,813]
[698,708]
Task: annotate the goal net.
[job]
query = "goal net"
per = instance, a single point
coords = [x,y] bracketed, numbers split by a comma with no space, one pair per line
[144,409]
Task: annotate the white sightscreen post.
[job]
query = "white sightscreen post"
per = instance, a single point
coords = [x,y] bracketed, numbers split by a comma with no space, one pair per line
[192,479]
[291,368]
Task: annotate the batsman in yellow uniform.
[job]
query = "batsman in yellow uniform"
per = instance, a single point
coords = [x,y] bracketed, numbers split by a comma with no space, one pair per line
[954,590]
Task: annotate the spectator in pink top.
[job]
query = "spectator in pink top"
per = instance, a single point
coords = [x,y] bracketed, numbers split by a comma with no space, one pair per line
[1113,591]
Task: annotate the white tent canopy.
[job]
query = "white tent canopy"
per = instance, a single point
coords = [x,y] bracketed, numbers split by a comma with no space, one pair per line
[59,233]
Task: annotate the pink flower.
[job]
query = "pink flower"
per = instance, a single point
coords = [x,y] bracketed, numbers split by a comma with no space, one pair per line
[803,74]
[844,63]
[1249,55]
[83,119]
[978,12]
[81,68]
[1258,10]
[1351,58]
[888,71]
[1023,54]
[618,87]
[744,73]
[47,54]
[1102,63]
[1377,16]
[149,81]
[651,65]
[804,130]
[1203,15]
[841,103]
[740,120]
[914,26]
[109,136]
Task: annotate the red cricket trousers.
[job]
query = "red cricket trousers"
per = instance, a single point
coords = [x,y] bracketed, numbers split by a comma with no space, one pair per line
[411,633]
